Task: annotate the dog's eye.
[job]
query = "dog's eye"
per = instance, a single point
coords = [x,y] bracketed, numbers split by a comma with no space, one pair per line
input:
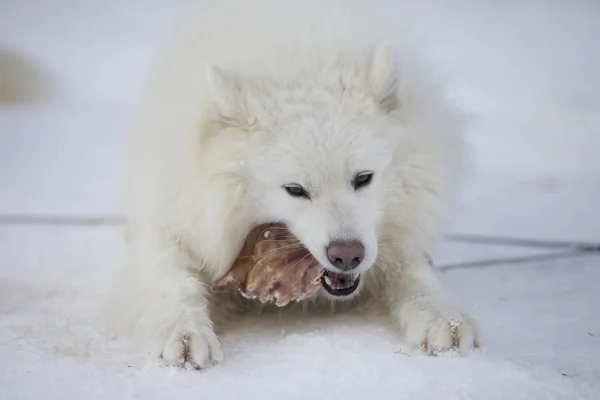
[362,179]
[296,191]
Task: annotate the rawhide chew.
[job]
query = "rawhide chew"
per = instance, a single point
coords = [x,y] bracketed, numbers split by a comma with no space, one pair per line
[273,266]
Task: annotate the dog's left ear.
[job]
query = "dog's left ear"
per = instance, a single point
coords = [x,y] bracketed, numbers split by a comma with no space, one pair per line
[229,95]
[384,79]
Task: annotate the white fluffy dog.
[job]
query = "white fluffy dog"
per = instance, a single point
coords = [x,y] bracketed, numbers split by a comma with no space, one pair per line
[314,114]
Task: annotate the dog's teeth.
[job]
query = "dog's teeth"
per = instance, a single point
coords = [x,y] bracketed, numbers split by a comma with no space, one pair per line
[327,280]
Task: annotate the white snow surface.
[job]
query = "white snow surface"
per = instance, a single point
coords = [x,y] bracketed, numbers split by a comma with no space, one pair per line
[528,73]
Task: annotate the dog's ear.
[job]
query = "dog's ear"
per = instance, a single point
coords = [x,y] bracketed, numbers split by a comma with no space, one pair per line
[384,77]
[228,94]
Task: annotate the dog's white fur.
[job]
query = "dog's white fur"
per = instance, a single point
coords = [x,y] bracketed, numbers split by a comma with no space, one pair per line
[251,98]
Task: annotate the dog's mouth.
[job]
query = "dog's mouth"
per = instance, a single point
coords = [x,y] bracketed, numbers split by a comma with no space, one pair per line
[338,284]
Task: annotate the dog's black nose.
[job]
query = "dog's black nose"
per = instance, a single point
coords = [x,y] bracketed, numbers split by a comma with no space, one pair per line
[345,254]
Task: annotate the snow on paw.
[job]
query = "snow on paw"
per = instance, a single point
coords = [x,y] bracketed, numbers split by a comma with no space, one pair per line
[450,334]
[197,350]
[436,332]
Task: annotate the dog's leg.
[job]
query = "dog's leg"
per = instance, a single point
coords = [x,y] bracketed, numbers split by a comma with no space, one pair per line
[168,305]
[425,316]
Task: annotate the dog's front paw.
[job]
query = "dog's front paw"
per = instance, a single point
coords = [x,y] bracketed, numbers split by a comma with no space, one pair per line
[197,349]
[436,331]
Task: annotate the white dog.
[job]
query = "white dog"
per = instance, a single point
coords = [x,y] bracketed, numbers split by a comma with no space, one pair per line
[308,113]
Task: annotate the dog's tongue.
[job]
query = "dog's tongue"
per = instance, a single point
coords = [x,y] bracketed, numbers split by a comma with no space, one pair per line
[339,281]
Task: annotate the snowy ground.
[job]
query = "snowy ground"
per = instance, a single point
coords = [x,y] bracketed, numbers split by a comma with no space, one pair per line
[540,321]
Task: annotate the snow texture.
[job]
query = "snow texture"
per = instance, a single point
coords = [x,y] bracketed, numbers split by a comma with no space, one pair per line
[528,73]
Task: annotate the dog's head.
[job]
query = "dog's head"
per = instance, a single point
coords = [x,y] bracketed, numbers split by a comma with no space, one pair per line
[325,180]
[320,158]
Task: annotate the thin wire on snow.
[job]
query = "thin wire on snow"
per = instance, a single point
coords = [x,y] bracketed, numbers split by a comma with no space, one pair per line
[490,262]
[64,220]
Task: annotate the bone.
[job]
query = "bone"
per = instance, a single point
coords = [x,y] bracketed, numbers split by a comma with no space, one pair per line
[274,267]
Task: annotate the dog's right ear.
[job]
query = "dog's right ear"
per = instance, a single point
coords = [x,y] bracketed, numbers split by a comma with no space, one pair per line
[227,94]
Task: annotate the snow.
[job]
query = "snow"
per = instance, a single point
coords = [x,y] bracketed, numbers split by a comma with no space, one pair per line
[527,72]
